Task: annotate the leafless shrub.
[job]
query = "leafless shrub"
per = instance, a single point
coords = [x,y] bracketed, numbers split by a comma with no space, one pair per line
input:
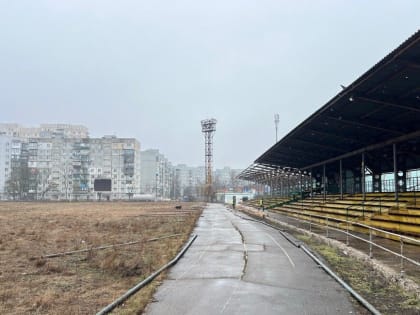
[40,262]
[45,301]
[5,295]
[53,267]
[91,254]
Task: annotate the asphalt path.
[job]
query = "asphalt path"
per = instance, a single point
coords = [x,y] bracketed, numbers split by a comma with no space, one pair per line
[237,266]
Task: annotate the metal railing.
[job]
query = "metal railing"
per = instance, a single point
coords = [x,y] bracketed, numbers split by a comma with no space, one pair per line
[414,188]
[371,230]
[362,204]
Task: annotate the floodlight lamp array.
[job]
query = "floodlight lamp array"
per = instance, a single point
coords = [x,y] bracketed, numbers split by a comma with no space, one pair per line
[208,125]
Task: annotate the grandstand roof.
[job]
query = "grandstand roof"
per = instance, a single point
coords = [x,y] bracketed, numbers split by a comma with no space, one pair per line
[379,108]
[261,172]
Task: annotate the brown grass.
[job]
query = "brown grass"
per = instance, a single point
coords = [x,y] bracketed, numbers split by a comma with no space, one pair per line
[85,282]
[383,294]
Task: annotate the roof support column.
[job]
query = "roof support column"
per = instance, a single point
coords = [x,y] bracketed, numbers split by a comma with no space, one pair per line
[394,154]
[275,186]
[271,185]
[311,183]
[301,185]
[324,183]
[363,177]
[341,179]
[281,187]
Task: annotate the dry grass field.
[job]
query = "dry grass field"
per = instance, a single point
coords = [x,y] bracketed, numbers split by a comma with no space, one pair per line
[84,283]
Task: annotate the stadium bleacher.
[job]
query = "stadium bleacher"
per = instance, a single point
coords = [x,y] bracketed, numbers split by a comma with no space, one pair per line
[369,129]
[377,210]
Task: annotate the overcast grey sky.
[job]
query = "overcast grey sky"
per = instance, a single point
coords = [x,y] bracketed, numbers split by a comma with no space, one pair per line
[154,69]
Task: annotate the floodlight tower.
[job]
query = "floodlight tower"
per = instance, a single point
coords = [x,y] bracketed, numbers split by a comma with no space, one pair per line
[276,122]
[208,127]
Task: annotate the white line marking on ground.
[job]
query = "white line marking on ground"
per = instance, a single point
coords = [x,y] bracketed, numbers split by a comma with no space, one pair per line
[230,298]
[284,251]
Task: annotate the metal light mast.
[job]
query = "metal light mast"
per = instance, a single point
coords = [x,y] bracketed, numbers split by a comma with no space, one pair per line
[276,122]
[208,127]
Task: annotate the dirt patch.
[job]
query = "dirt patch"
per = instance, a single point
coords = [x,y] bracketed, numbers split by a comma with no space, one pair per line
[84,283]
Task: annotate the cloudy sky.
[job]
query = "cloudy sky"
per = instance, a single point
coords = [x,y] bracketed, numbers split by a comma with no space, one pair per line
[154,69]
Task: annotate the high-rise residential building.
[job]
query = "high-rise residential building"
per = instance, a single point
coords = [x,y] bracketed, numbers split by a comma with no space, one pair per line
[62,168]
[226,177]
[13,177]
[63,130]
[156,174]
[189,181]
[119,160]
[5,162]
[44,131]
[60,162]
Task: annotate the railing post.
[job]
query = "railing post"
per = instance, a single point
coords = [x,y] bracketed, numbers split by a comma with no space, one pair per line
[327,228]
[341,179]
[347,234]
[370,243]
[402,256]
[310,223]
[363,174]
[363,209]
[380,205]
[394,154]
[311,188]
[324,181]
[347,225]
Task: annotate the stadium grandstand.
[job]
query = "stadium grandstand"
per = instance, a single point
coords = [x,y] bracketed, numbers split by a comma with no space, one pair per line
[356,158]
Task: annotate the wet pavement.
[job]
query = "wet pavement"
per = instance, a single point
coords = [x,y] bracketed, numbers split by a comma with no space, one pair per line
[237,266]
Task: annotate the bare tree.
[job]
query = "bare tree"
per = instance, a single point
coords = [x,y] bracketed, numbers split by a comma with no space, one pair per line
[17,185]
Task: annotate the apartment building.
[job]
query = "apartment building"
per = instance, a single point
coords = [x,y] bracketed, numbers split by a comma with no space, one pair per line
[189,181]
[5,162]
[117,159]
[63,130]
[61,168]
[226,178]
[44,131]
[156,175]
